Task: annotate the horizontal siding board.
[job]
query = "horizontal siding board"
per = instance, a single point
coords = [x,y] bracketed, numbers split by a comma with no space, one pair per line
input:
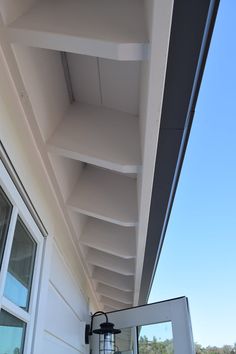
[52,345]
[63,281]
[62,322]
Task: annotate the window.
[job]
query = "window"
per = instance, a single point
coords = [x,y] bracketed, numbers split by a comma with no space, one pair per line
[12,333]
[5,212]
[20,267]
[21,246]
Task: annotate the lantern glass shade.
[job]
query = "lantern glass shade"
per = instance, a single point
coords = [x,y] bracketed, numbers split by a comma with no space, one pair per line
[106,343]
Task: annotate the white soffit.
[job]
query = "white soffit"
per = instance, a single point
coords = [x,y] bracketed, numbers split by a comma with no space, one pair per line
[106,196]
[99,28]
[100,133]
[112,293]
[93,134]
[110,262]
[110,238]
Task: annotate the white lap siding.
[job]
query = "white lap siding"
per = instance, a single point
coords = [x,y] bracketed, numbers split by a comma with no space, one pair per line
[66,310]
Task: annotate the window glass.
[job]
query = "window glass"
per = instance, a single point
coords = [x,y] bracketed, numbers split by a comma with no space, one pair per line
[12,333]
[21,266]
[5,213]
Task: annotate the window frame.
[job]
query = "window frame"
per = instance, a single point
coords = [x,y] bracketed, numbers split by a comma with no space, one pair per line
[19,209]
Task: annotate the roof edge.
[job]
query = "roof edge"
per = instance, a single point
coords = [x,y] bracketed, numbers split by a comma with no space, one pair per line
[186,62]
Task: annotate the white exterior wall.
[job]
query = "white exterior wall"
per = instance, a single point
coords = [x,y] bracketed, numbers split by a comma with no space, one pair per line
[65,296]
[66,310]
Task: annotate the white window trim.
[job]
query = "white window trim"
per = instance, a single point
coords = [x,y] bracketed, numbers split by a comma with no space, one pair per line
[20,210]
[7,251]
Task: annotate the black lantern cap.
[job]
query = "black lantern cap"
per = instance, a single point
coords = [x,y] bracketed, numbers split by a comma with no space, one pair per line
[106,327]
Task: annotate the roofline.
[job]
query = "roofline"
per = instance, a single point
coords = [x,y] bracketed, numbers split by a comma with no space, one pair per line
[192,27]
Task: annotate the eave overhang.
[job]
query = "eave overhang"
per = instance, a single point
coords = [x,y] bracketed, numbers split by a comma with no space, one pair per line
[191,32]
[110,107]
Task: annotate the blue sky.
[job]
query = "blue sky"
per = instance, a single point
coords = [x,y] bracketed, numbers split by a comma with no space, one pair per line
[199,254]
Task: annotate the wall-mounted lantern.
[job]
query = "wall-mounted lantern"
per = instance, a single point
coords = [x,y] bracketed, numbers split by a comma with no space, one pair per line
[106,333]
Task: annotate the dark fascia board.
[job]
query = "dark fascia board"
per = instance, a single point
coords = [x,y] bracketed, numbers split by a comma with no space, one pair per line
[192,26]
